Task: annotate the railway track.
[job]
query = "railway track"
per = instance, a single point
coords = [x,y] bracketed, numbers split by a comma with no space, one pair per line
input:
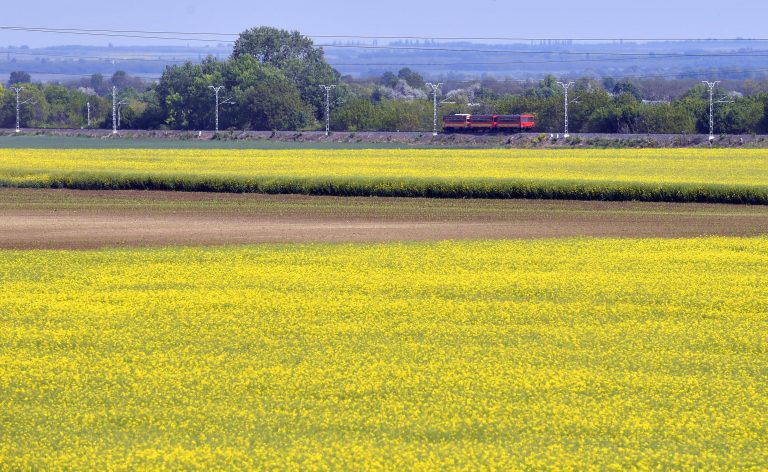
[414,137]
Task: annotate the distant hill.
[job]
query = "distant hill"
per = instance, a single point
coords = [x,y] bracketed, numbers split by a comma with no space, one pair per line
[443,60]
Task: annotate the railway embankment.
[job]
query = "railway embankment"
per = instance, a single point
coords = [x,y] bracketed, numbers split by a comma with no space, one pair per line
[415,138]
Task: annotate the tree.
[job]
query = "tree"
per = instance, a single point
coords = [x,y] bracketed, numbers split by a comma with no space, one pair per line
[665,118]
[609,83]
[97,83]
[405,115]
[295,55]
[356,115]
[264,97]
[589,112]
[183,95]
[696,104]
[275,47]
[119,79]
[307,76]
[5,109]
[32,115]
[546,88]
[272,104]
[388,79]
[742,116]
[122,80]
[173,95]
[19,77]
[697,109]
[628,113]
[411,78]
[625,86]
[763,97]
[61,103]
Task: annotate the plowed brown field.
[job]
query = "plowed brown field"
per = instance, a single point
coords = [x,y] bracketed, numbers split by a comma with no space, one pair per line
[52,219]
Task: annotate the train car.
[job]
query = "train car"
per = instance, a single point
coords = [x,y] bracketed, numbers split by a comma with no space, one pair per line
[508,122]
[464,123]
[512,123]
[527,121]
[455,123]
[482,123]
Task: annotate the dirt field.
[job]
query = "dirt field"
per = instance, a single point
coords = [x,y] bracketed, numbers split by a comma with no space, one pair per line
[53,219]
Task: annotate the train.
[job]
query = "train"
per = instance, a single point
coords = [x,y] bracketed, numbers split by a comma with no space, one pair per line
[465,123]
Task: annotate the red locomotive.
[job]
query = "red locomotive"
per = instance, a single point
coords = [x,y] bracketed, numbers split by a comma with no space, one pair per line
[462,123]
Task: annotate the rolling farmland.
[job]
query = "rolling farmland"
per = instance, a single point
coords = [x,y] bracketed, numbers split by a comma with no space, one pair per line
[349,327]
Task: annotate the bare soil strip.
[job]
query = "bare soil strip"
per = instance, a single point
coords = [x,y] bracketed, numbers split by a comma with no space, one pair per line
[71,219]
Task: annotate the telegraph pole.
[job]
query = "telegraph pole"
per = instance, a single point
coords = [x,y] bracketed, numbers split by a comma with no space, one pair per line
[88,107]
[216,97]
[327,89]
[229,101]
[435,88]
[116,110]
[711,86]
[18,106]
[566,86]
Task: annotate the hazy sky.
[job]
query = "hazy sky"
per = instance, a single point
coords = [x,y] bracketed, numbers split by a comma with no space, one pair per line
[555,18]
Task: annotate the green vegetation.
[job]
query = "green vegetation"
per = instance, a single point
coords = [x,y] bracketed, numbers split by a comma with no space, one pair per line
[82,142]
[385,209]
[272,82]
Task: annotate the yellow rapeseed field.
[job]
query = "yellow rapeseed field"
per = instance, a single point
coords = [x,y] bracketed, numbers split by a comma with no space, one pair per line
[733,175]
[560,354]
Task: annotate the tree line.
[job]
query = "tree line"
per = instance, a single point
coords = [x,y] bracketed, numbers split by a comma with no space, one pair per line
[272,82]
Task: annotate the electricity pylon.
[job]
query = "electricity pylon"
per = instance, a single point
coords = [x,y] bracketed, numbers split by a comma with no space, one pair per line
[566,86]
[712,102]
[18,106]
[227,101]
[115,104]
[435,88]
[327,89]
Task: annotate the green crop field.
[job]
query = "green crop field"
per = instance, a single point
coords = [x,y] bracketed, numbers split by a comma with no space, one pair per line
[718,175]
[83,142]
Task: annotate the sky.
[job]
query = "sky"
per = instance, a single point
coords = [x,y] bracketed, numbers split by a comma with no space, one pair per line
[551,19]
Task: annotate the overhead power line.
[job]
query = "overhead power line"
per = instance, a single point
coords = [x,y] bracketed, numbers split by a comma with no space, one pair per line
[563,53]
[84,30]
[386,37]
[113,35]
[568,56]
[589,56]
